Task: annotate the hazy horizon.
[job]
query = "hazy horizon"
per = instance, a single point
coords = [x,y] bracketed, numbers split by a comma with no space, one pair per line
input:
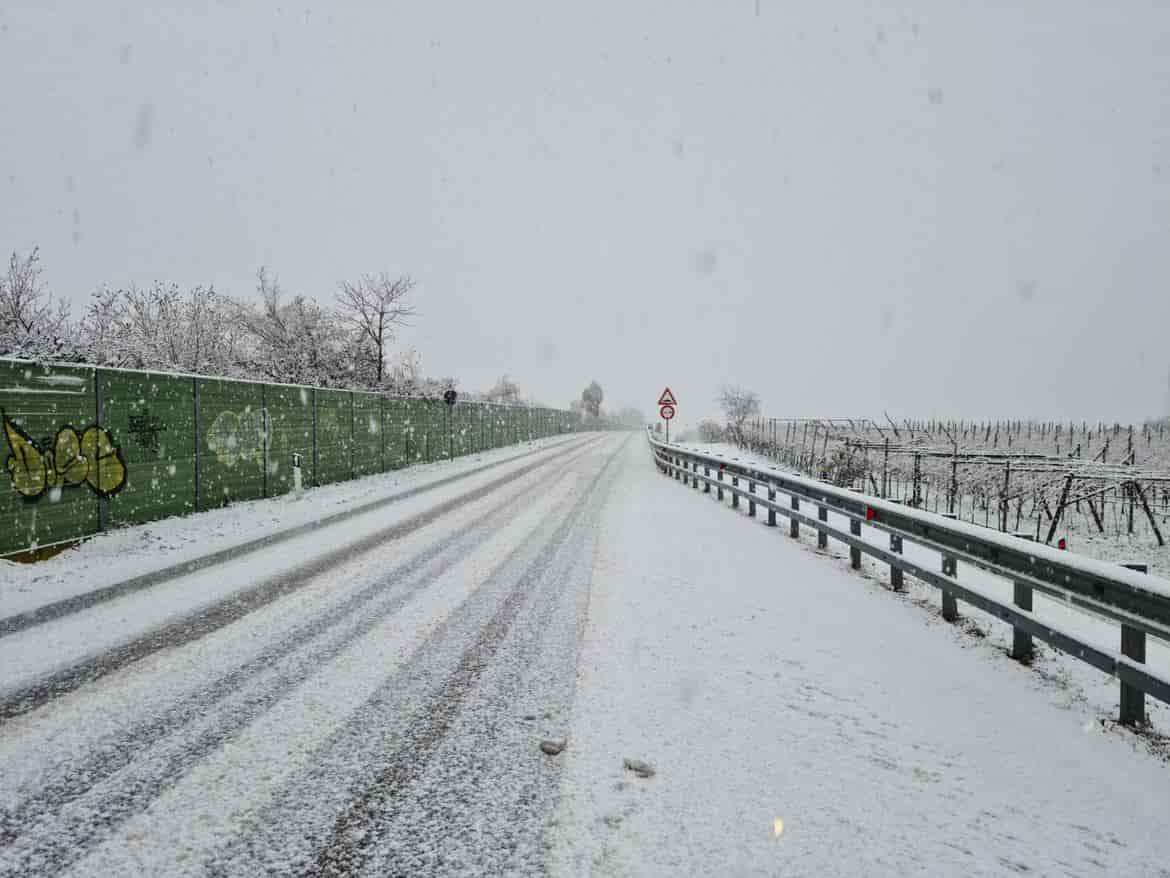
[939,212]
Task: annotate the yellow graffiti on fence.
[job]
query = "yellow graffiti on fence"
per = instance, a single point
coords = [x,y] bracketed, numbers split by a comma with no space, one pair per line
[90,458]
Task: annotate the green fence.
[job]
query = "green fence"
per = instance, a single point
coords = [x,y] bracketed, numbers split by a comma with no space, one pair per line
[88,449]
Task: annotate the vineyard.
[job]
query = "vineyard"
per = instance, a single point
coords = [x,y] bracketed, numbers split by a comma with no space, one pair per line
[1099,489]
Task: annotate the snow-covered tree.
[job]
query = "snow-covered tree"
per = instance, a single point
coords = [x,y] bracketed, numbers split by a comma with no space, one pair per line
[33,323]
[592,396]
[505,390]
[739,405]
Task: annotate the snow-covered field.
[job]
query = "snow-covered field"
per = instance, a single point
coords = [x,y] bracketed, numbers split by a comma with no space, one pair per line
[390,693]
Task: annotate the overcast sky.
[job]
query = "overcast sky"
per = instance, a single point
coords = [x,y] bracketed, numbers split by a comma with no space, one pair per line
[935,208]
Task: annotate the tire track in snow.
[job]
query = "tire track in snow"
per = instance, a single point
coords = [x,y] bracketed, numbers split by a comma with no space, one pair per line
[68,606]
[63,840]
[199,623]
[400,727]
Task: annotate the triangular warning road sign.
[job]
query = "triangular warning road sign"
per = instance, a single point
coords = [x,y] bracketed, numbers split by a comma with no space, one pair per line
[667,398]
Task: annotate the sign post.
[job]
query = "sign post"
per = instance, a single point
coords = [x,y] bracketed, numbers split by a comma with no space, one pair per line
[666,408]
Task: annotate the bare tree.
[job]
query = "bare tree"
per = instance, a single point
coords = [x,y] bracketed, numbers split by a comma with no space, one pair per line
[739,405]
[32,323]
[372,308]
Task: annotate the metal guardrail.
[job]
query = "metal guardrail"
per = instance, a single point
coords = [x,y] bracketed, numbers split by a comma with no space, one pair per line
[1138,603]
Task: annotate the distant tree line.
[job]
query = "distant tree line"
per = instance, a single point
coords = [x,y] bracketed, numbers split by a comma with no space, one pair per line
[270,336]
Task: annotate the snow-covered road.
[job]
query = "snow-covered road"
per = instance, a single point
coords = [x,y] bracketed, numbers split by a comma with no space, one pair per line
[370,698]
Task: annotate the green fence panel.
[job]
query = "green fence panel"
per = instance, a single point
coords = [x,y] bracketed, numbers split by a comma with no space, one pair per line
[58,462]
[153,415]
[334,436]
[232,441]
[437,416]
[86,449]
[367,434]
[395,430]
[462,428]
[290,433]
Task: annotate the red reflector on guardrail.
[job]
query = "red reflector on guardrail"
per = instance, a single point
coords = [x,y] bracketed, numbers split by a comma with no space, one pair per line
[1062,544]
[870,513]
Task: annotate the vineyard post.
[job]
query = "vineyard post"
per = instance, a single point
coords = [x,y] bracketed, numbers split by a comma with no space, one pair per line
[954,480]
[885,469]
[1007,480]
[916,497]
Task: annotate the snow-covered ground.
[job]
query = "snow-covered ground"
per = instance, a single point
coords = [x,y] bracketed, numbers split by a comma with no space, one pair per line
[763,683]
[1081,681]
[387,694]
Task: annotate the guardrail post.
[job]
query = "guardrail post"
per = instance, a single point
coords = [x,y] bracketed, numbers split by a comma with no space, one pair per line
[897,580]
[734,495]
[695,475]
[751,502]
[854,552]
[771,512]
[719,488]
[677,471]
[1133,646]
[793,524]
[1022,598]
[950,606]
[822,535]
[707,485]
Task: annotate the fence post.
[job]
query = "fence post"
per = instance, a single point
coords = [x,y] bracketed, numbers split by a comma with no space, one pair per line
[897,580]
[264,422]
[195,421]
[793,524]
[1133,646]
[734,495]
[822,535]
[1022,598]
[316,462]
[99,414]
[771,512]
[751,503]
[950,607]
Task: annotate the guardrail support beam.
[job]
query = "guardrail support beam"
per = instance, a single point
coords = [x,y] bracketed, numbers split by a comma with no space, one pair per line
[1133,646]
[772,512]
[793,524]
[854,552]
[719,488]
[707,485]
[1021,640]
[734,495]
[751,503]
[1022,597]
[822,535]
[897,578]
[695,475]
[950,606]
